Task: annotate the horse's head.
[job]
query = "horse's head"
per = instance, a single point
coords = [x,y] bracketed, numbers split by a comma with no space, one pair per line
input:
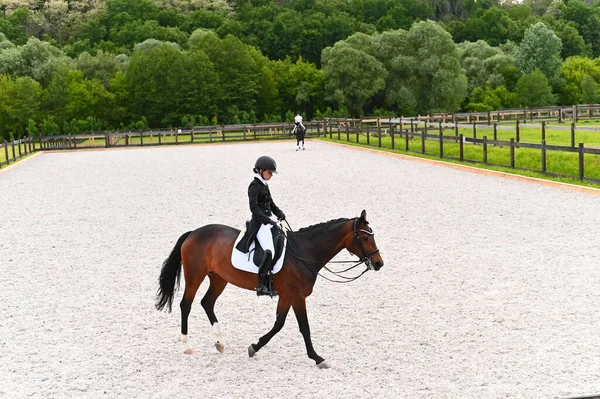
[363,243]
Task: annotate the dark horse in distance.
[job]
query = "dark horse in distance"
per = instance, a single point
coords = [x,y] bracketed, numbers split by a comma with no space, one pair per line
[207,251]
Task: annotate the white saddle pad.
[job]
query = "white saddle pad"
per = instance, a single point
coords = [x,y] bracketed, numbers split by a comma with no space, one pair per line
[243,261]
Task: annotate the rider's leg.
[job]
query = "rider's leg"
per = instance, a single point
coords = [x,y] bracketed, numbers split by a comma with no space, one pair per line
[265,237]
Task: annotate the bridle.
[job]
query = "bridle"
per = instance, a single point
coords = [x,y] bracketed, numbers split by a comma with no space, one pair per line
[365,258]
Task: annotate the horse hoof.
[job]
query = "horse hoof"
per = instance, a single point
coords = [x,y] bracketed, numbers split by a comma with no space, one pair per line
[251,351]
[220,347]
[323,365]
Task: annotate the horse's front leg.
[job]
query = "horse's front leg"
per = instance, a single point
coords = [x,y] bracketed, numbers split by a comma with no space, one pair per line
[283,307]
[300,311]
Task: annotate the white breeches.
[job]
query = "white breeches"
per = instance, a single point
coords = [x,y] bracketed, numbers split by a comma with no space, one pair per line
[265,238]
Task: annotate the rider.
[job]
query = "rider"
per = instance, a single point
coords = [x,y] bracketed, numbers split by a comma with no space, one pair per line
[262,206]
[299,134]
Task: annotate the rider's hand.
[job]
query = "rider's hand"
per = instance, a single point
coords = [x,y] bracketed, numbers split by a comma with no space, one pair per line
[281,217]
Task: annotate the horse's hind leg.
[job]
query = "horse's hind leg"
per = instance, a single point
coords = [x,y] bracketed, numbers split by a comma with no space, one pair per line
[217,285]
[191,287]
[283,307]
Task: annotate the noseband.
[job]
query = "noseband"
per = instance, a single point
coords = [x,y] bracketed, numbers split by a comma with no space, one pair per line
[366,256]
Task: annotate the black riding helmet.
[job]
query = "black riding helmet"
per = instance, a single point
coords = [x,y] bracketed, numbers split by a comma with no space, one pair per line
[265,163]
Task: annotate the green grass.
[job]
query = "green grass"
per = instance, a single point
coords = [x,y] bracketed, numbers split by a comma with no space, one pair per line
[527,158]
[10,153]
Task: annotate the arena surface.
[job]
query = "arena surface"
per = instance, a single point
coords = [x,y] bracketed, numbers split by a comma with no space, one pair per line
[489,289]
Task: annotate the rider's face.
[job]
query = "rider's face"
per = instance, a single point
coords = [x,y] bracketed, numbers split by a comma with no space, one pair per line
[267,174]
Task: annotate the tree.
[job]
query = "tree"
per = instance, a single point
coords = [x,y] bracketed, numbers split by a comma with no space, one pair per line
[533,90]
[589,89]
[25,103]
[35,59]
[168,83]
[352,76]
[102,66]
[540,49]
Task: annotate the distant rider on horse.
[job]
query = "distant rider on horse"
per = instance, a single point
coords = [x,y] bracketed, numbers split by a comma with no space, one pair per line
[299,131]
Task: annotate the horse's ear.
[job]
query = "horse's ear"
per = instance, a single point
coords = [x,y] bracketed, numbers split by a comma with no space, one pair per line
[363,216]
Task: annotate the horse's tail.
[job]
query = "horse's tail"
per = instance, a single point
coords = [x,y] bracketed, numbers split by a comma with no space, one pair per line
[170,276]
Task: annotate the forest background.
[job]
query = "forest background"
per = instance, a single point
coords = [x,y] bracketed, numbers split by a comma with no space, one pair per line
[70,66]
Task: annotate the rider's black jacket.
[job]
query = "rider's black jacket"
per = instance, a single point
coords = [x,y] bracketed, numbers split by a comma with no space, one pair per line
[262,207]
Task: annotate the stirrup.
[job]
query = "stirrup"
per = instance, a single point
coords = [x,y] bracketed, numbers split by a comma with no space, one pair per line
[262,289]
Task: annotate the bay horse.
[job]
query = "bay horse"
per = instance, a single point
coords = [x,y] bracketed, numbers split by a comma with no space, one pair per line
[207,251]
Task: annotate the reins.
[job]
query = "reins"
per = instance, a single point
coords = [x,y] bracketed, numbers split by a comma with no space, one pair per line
[338,274]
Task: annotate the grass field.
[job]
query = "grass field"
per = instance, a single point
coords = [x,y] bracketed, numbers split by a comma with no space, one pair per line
[525,158]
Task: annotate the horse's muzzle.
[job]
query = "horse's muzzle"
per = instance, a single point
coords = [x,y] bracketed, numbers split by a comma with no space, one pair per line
[377,265]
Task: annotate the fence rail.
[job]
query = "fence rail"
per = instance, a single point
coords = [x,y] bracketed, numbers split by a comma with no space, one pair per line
[402,137]
[15,150]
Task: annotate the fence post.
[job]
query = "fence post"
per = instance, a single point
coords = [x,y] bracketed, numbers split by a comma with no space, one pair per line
[379,133]
[517,131]
[347,132]
[368,136]
[392,133]
[544,156]
[6,152]
[543,130]
[223,132]
[406,139]
[580,161]
[318,129]
[485,155]
[461,149]
[411,126]
[357,133]
[423,133]
[441,142]
[474,130]
[559,114]
[339,132]
[575,113]
[572,134]
[495,131]
[456,128]
[512,152]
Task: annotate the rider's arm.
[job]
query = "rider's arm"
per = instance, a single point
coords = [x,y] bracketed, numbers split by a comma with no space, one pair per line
[256,210]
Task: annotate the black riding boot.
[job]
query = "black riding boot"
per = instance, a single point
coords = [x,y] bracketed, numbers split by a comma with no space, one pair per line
[265,277]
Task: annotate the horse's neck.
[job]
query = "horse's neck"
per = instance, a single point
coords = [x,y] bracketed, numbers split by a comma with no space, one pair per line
[322,244]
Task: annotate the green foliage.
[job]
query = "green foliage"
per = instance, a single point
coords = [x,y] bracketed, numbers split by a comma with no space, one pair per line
[589,89]
[168,82]
[352,76]
[533,90]
[540,49]
[258,60]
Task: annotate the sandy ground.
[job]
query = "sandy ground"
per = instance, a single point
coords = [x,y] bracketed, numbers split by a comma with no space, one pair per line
[489,289]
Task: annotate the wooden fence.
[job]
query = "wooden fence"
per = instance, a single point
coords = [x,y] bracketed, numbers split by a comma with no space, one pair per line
[400,136]
[195,135]
[11,152]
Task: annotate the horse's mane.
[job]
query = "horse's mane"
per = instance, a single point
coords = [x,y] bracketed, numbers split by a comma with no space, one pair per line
[314,226]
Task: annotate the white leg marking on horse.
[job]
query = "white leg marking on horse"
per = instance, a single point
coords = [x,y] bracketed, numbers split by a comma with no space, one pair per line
[219,341]
[187,348]
[323,365]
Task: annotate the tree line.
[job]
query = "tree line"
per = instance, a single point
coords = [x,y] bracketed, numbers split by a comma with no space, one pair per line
[74,66]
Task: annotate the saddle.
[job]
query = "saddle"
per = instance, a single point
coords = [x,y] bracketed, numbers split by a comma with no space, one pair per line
[278,241]
[250,261]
